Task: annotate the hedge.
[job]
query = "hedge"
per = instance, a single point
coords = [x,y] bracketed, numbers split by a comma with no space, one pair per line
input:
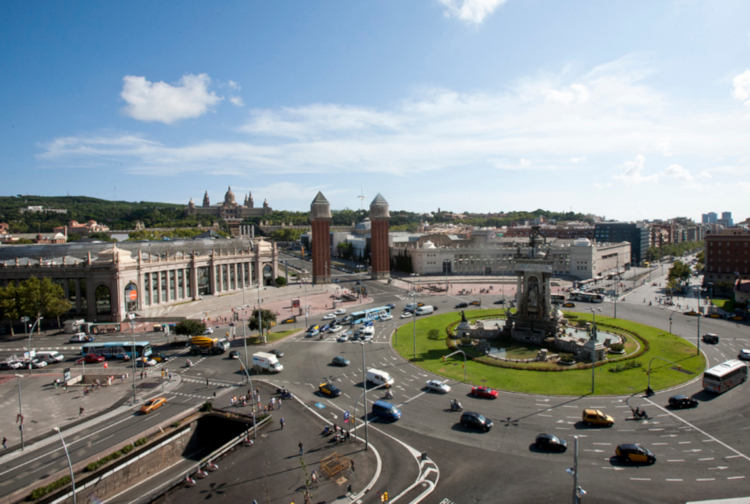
[42,491]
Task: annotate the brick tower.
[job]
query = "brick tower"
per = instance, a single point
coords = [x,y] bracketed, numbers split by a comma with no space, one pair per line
[381,257]
[320,217]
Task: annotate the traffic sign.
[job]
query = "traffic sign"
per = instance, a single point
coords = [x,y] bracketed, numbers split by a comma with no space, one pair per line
[346,416]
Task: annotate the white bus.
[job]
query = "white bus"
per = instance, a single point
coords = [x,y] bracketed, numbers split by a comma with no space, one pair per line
[725,376]
[589,297]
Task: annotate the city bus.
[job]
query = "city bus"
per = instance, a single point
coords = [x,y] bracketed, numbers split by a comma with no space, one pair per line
[363,316]
[726,375]
[118,349]
[557,298]
[589,297]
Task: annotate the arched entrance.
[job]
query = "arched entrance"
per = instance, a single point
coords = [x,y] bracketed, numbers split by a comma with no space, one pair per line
[131,298]
[103,298]
[267,275]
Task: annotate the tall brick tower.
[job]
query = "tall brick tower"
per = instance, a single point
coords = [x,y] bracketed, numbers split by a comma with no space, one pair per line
[381,256]
[320,217]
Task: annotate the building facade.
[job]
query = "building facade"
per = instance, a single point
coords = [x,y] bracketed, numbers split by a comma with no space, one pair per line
[637,233]
[379,245]
[727,257]
[105,284]
[229,209]
[320,218]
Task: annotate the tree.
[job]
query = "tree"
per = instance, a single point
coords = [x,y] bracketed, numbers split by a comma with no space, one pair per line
[679,272]
[268,319]
[42,298]
[286,235]
[190,327]
[433,334]
[345,250]
[280,281]
[10,304]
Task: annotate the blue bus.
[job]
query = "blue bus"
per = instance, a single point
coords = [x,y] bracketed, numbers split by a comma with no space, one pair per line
[118,349]
[370,314]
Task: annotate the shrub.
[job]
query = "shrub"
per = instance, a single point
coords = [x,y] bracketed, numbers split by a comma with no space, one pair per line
[42,491]
[93,466]
[618,368]
[433,334]
[207,407]
[617,347]
[127,449]
[140,442]
[567,357]
[175,424]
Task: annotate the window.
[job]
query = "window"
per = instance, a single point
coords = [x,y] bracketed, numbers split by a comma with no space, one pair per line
[146,289]
[163,286]
[103,300]
[187,283]
[180,291]
[171,285]
[155,288]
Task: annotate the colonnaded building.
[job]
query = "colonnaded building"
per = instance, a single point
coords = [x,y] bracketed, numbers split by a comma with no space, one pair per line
[104,281]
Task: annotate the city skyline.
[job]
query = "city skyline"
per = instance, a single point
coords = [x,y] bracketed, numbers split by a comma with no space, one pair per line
[468,105]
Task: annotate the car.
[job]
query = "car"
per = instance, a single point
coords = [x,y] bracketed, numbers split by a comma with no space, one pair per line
[160,357]
[738,318]
[289,320]
[11,365]
[152,404]
[343,338]
[596,417]
[406,315]
[329,389]
[499,301]
[340,311]
[91,359]
[473,420]
[36,363]
[484,392]
[569,304]
[145,362]
[336,280]
[682,401]
[391,305]
[744,354]
[551,443]
[329,316]
[710,338]
[311,334]
[692,313]
[234,354]
[385,317]
[313,327]
[476,303]
[81,338]
[714,315]
[635,453]
[462,305]
[340,361]
[335,329]
[438,386]
[208,331]
[277,353]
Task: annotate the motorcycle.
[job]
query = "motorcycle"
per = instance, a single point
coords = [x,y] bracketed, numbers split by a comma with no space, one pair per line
[189,363]
[287,395]
[456,406]
[389,395]
[639,414]
[649,392]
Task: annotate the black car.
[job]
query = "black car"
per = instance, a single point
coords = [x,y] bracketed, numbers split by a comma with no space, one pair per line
[462,305]
[710,338]
[278,353]
[234,354]
[550,442]
[682,401]
[476,421]
[635,453]
[499,301]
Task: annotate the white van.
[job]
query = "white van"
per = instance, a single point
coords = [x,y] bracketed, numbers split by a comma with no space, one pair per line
[424,310]
[366,333]
[379,378]
[79,337]
[50,356]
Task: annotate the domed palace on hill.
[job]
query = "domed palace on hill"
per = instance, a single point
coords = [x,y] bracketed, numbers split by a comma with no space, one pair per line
[229,209]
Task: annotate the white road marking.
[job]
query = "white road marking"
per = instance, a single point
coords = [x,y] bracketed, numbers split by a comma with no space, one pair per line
[705,479]
[735,477]
[674,479]
[707,458]
[676,460]
[659,444]
[640,479]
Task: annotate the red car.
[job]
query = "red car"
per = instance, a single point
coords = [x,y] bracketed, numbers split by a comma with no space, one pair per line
[91,359]
[484,392]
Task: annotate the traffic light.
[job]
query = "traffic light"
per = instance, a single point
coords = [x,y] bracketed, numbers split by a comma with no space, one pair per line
[384,497]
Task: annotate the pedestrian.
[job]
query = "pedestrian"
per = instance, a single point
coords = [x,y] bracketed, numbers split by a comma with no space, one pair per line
[122,378]
[282,422]
[279,401]
[170,376]
[141,375]
[5,443]
[273,403]
[314,479]
[301,449]
[65,388]
[80,411]
[351,466]
[145,374]
[207,384]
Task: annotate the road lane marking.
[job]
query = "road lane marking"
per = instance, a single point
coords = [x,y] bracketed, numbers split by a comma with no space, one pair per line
[705,479]
[735,477]
[674,479]
[640,479]
[659,444]
[676,460]
[707,458]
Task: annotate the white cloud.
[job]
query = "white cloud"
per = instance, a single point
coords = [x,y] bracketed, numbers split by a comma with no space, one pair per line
[678,172]
[745,186]
[162,102]
[525,162]
[576,160]
[633,173]
[575,93]
[470,11]
[233,85]
[742,87]
[236,100]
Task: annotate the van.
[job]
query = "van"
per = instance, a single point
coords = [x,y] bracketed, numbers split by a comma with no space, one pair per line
[50,356]
[385,410]
[424,310]
[80,337]
[366,333]
[596,417]
[379,377]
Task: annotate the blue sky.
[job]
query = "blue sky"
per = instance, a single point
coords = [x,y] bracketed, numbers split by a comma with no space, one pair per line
[628,109]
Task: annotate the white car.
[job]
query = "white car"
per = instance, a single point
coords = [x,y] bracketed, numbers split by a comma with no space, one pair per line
[208,331]
[38,363]
[145,362]
[335,329]
[340,311]
[405,315]
[438,386]
[387,316]
[744,354]
[329,316]
[343,338]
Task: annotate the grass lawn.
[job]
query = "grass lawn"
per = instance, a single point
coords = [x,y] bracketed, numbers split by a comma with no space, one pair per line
[573,382]
[725,304]
[274,336]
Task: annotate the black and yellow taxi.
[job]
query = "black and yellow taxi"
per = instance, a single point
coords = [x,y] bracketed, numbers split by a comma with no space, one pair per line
[635,453]
[289,320]
[569,304]
[152,404]
[329,389]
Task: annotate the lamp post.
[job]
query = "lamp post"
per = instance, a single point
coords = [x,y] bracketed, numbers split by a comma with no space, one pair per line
[20,410]
[306,307]
[70,465]
[414,308]
[578,492]
[698,337]
[593,346]
[649,368]
[30,333]
[131,316]
[364,384]
[247,371]
[670,322]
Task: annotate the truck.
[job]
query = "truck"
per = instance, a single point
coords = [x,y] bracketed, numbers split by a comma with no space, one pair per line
[263,361]
[206,345]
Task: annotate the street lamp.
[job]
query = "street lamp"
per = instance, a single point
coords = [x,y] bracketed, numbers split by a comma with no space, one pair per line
[131,317]
[20,410]
[247,371]
[414,308]
[593,346]
[30,333]
[578,492]
[670,322]
[70,465]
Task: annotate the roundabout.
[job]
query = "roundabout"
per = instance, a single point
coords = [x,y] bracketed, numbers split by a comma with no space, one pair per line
[617,375]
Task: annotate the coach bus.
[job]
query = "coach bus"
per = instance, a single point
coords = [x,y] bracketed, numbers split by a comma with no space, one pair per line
[590,297]
[726,375]
[118,349]
[557,298]
[363,316]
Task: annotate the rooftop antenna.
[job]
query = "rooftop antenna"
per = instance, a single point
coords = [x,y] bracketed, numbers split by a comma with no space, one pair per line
[361,198]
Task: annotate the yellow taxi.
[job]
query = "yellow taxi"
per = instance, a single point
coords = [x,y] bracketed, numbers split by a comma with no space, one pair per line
[152,404]
[596,417]
[635,453]
[569,304]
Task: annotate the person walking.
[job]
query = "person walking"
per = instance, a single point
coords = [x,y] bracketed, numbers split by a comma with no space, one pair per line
[301,449]
[170,376]
[5,443]
[80,411]
[207,384]
[282,422]
[141,375]
[279,401]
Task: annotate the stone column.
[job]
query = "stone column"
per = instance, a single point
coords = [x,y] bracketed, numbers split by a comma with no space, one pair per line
[379,224]
[519,284]
[320,217]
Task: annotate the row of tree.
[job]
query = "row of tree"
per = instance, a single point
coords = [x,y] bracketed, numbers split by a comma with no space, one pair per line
[32,298]
[673,249]
[197,327]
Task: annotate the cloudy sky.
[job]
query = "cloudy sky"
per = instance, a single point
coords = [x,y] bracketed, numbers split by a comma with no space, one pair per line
[629,109]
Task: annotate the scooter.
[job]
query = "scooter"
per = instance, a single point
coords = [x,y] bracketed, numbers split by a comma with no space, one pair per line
[456,406]
[389,395]
[639,414]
